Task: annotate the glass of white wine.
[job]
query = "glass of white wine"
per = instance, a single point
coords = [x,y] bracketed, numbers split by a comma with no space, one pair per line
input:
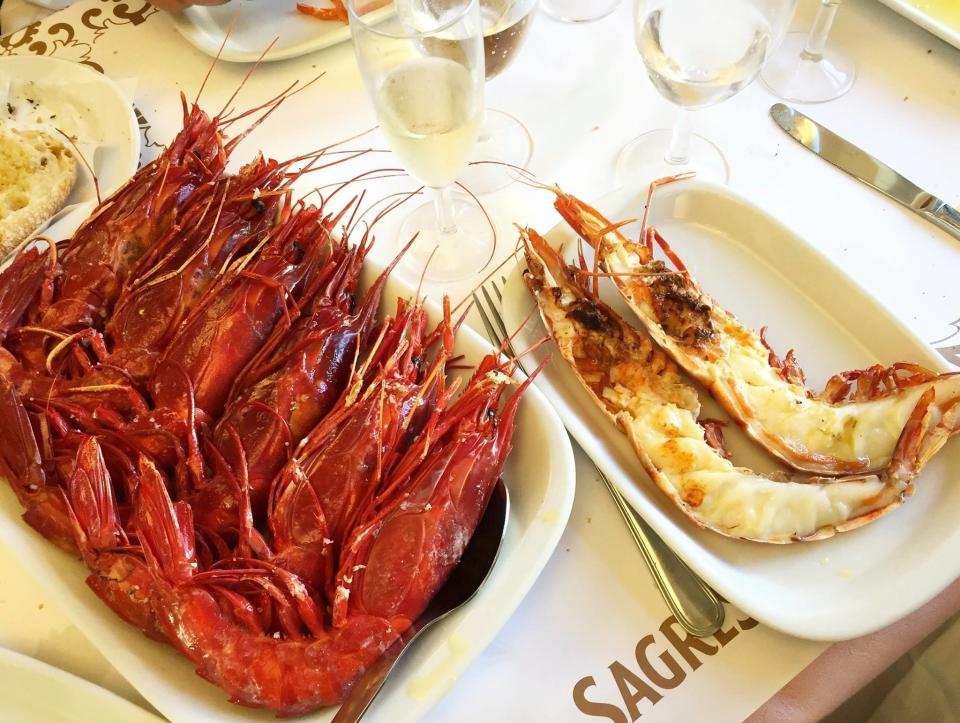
[697,53]
[424,70]
[804,69]
[503,138]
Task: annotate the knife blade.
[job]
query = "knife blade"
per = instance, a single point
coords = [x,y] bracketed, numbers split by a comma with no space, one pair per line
[865,168]
[951,354]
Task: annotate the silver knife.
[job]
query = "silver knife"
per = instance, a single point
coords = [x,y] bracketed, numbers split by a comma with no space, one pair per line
[951,354]
[864,167]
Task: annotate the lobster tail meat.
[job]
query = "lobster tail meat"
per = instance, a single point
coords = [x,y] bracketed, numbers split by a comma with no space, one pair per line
[852,427]
[641,391]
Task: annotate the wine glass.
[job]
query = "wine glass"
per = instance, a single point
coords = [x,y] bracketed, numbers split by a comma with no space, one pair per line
[503,137]
[697,53]
[423,68]
[804,70]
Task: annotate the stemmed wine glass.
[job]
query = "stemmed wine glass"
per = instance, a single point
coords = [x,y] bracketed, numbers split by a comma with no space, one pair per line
[423,68]
[502,137]
[804,70]
[697,53]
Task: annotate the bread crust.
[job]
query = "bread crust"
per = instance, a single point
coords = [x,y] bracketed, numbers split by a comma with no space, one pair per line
[37,173]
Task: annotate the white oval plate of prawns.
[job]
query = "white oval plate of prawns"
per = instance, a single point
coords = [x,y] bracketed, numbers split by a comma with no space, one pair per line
[362,428]
[814,484]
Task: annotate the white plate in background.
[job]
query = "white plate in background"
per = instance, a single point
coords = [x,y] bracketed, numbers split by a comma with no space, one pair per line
[843,587]
[540,475]
[940,17]
[33,690]
[258,23]
[85,104]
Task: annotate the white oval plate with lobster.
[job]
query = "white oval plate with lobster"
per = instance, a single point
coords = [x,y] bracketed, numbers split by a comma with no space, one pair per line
[843,587]
[540,475]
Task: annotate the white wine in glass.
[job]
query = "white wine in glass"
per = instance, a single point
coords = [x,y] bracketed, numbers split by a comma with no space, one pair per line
[424,71]
[429,117]
[697,53]
[502,138]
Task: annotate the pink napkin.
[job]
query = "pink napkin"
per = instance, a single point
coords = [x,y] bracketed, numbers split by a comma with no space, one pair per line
[845,668]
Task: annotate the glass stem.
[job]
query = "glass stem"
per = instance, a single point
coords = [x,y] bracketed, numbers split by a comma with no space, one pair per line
[443,202]
[483,135]
[679,151]
[817,40]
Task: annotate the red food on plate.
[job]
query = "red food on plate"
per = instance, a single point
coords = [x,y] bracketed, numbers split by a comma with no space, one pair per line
[338,12]
[254,464]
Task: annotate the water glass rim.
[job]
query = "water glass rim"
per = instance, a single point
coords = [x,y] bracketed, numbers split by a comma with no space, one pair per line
[375,26]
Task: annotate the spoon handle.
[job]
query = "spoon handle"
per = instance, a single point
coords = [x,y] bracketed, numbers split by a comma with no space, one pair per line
[370,685]
[478,560]
[696,607]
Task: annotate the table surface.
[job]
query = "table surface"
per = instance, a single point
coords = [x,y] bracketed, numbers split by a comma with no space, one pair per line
[582,91]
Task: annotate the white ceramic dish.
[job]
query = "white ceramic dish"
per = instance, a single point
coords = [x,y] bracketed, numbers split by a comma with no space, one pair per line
[51,4]
[540,475]
[940,17]
[34,691]
[100,116]
[258,23]
[840,588]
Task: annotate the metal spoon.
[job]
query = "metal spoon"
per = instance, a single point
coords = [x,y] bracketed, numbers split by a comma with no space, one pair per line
[464,582]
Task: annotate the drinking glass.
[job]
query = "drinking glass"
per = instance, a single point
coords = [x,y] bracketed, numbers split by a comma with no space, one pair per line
[804,70]
[423,69]
[697,53]
[503,137]
[578,11]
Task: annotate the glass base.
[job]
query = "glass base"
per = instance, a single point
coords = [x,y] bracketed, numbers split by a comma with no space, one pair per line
[791,76]
[448,257]
[503,139]
[578,11]
[642,159]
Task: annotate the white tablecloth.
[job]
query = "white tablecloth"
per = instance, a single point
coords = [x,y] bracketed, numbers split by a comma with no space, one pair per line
[583,93]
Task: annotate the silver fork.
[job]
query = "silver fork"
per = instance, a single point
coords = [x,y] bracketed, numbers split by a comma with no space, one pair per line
[696,607]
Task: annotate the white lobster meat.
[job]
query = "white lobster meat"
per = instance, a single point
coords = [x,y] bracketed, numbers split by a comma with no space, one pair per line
[852,427]
[641,390]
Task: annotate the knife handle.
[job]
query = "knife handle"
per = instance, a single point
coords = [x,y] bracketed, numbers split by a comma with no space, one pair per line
[946,217]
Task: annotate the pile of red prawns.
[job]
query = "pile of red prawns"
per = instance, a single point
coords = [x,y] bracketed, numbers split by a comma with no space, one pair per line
[253,466]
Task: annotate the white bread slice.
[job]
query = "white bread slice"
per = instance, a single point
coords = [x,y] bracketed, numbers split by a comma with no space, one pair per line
[36,174]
